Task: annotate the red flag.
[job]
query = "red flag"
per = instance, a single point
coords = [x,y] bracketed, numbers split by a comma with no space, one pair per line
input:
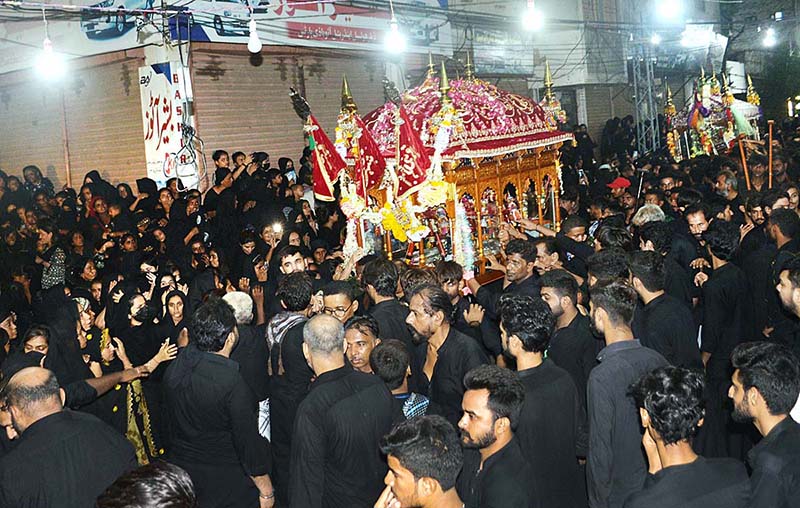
[370,164]
[413,161]
[327,162]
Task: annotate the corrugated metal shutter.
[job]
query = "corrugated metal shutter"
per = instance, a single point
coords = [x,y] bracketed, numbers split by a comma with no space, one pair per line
[242,106]
[103,115]
[598,110]
[104,122]
[30,113]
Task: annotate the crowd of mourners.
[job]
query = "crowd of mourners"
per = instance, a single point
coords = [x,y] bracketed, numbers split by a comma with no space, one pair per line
[164,347]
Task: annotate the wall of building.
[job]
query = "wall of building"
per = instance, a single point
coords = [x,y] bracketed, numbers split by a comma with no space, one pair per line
[91,119]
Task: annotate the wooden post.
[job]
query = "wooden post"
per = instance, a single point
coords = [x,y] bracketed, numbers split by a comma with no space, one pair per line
[387,239]
[65,139]
[769,139]
[744,162]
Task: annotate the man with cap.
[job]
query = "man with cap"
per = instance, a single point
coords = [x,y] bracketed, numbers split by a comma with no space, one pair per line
[62,458]
[618,186]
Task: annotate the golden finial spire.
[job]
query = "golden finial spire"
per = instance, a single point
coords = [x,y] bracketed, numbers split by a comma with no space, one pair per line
[444,86]
[749,81]
[548,81]
[348,104]
[431,67]
[669,106]
[702,73]
[469,66]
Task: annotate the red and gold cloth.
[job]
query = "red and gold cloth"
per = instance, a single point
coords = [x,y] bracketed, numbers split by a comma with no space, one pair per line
[370,165]
[413,161]
[327,163]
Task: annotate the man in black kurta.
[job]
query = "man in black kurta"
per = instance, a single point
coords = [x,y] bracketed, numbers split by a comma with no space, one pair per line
[336,460]
[549,426]
[213,416]
[63,459]
[450,353]
[725,315]
[664,323]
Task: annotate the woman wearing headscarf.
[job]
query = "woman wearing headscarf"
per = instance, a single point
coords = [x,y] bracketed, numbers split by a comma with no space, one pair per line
[51,257]
[175,318]
[100,186]
[125,195]
[35,182]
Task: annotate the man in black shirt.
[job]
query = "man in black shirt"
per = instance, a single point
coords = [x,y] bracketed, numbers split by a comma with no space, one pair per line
[657,236]
[214,416]
[608,265]
[425,457]
[783,228]
[670,402]
[291,375]
[725,315]
[766,384]
[572,347]
[667,325]
[63,459]
[616,465]
[450,353]
[495,472]
[380,280]
[520,278]
[336,460]
[551,417]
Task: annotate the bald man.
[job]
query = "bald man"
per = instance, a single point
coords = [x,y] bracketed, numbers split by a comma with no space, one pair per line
[339,425]
[63,459]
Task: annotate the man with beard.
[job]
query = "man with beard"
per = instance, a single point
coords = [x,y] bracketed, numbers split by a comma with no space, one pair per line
[789,293]
[520,277]
[698,217]
[766,384]
[549,257]
[670,402]
[495,471]
[62,458]
[550,430]
[449,353]
[758,172]
[616,466]
[572,346]
[214,416]
[425,457]
[727,186]
[783,228]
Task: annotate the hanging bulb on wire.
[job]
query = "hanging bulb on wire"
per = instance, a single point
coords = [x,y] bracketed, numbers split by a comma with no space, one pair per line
[253,43]
[49,64]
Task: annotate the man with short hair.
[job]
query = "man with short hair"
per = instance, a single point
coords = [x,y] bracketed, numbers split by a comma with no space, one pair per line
[608,265]
[616,466]
[449,353]
[213,416]
[290,373]
[572,347]
[663,323]
[495,471]
[727,185]
[550,429]
[788,288]
[336,461]
[379,279]
[783,228]
[670,402]
[391,362]
[766,384]
[220,158]
[154,485]
[339,300]
[658,237]
[758,171]
[361,336]
[62,458]
[520,277]
[725,316]
[425,457]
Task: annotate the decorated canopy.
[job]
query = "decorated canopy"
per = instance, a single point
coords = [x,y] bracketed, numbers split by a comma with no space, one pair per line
[488,121]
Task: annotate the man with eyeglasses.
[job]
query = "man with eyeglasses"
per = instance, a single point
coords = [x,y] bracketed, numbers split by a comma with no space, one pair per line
[339,300]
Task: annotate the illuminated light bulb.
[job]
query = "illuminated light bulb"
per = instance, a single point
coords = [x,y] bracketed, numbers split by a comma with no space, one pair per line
[50,64]
[670,10]
[655,39]
[395,41]
[532,18]
[253,42]
[769,38]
